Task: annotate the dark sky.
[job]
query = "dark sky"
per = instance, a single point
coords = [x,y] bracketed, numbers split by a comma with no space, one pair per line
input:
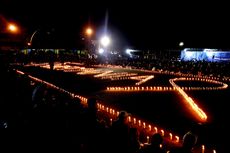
[140,24]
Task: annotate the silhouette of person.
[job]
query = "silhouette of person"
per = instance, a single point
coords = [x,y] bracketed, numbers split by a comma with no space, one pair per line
[120,133]
[154,147]
[189,141]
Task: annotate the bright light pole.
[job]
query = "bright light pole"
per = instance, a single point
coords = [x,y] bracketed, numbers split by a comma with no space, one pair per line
[89,32]
[105,41]
[181,44]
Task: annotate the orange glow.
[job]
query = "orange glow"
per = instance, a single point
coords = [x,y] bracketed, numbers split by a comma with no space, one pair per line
[162,132]
[89,31]
[150,127]
[134,121]
[129,119]
[155,128]
[198,111]
[12,28]
[109,110]
[170,136]
[203,148]
[177,139]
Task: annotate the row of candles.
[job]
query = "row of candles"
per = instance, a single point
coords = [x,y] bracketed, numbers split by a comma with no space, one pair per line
[159,88]
[110,112]
[149,128]
[198,111]
[46,65]
[187,75]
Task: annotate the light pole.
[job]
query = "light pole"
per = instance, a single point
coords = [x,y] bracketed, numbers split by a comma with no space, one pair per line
[105,42]
[89,33]
[181,44]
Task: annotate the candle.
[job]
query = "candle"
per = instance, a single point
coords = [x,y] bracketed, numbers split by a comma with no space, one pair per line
[150,127]
[177,138]
[129,118]
[170,136]
[203,148]
[134,120]
[162,132]
[147,139]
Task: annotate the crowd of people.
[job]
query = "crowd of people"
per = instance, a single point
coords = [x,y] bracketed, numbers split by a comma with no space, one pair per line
[56,121]
[42,119]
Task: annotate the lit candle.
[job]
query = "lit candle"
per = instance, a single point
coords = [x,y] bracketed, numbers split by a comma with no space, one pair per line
[117,113]
[134,120]
[177,139]
[170,136]
[162,132]
[147,139]
[139,122]
[203,148]
[111,121]
[129,118]
[150,127]
[155,128]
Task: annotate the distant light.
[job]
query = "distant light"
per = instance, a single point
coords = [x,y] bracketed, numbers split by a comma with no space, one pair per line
[89,31]
[128,51]
[29,44]
[12,28]
[181,44]
[101,51]
[105,41]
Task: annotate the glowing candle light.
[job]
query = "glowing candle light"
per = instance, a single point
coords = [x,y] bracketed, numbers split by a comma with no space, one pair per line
[177,139]
[148,139]
[111,121]
[214,151]
[144,125]
[170,136]
[162,132]
[110,110]
[203,148]
[155,128]
[150,127]
[129,118]
[134,120]
[139,122]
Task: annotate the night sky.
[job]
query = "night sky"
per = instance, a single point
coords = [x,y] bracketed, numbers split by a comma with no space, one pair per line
[142,25]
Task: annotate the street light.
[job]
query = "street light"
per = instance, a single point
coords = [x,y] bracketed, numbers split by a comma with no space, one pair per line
[105,41]
[181,44]
[89,32]
[12,28]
